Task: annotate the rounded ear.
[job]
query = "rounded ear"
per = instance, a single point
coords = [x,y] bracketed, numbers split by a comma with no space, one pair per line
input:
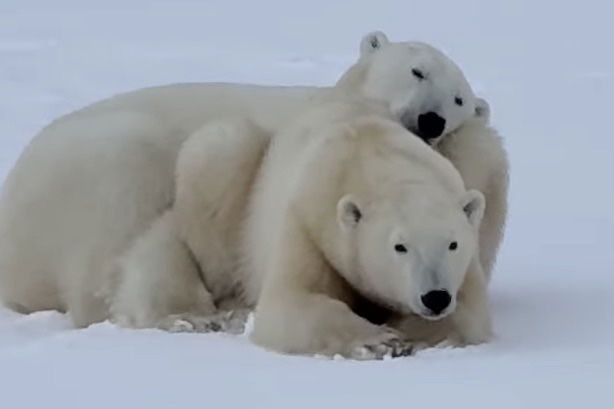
[372,42]
[482,109]
[474,204]
[348,212]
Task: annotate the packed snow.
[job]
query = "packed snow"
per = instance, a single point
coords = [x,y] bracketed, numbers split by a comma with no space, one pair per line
[547,69]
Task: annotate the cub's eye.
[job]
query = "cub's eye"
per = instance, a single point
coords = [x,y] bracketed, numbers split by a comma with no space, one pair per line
[400,248]
[458,101]
[417,73]
[453,246]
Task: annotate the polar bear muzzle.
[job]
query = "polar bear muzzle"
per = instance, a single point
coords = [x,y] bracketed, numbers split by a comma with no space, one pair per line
[428,126]
[436,301]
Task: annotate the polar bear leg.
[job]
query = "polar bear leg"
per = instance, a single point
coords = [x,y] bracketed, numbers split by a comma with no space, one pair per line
[159,278]
[295,316]
[216,168]
[170,275]
[493,223]
[303,323]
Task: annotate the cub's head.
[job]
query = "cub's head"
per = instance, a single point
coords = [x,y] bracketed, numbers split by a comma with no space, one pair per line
[423,89]
[410,250]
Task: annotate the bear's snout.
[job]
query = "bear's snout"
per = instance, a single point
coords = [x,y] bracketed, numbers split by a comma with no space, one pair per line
[430,126]
[436,301]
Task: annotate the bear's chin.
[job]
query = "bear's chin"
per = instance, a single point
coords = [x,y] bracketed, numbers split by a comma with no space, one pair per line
[432,317]
[429,316]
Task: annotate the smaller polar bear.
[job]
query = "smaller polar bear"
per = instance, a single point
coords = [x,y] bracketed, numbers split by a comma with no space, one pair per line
[342,208]
[342,193]
[349,205]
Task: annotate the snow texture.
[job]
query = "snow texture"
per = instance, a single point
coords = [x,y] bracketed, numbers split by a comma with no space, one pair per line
[548,71]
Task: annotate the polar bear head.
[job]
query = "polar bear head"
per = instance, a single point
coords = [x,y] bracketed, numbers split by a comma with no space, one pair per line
[413,248]
[423,89]
[408,227]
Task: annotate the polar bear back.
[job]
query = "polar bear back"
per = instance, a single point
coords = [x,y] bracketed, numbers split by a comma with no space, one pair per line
[187,106]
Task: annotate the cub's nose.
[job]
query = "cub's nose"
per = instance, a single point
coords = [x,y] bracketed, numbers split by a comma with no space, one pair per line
[430,126]
[436,300]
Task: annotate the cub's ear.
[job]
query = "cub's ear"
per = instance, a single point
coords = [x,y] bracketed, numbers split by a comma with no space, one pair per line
[482,109]
[474,204]
[372,42]
[348,212]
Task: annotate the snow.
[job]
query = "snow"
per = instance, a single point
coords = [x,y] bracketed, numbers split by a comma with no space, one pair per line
[548,71]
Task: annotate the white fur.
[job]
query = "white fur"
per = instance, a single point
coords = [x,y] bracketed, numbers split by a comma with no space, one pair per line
[388,79]
[477,152]
[190,258]
[336,192]
[86,213]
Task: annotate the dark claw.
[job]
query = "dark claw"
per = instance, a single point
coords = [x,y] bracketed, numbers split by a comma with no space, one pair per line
[214,327]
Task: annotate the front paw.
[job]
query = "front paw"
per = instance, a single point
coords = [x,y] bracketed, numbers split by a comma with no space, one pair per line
[232,322]
[189,323]
[387,344]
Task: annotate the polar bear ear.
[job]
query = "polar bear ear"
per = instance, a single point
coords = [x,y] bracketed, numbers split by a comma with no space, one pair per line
[372,42]
[474,204]
[348,212]
[482,109]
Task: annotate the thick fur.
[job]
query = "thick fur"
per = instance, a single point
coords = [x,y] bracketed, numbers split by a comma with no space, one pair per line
[189,260]
[477,152]
[336,192]
[87,211]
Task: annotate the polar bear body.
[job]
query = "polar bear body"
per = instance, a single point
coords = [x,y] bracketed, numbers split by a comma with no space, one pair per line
[338,192]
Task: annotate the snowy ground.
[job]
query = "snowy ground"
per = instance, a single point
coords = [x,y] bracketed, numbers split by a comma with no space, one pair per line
[547,69]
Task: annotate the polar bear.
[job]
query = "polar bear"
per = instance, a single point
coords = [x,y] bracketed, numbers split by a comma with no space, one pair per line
[336,196]
[92,183]
[348,205]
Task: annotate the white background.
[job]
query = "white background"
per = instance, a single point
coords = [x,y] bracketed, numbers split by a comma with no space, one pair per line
[547,68]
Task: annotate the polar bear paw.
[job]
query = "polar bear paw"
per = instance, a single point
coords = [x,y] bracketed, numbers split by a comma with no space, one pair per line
[382,346]
[190,323]
[234,321]
[228,321]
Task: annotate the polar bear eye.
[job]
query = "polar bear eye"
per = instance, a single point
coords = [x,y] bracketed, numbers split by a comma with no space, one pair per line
[417,73]
[458,101]
[453,246]
[400,248]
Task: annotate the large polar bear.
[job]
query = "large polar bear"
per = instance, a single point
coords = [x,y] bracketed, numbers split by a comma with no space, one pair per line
[93,182]
[346,205]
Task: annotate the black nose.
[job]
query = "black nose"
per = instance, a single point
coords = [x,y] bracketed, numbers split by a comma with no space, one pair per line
[436,301]
[430,125]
